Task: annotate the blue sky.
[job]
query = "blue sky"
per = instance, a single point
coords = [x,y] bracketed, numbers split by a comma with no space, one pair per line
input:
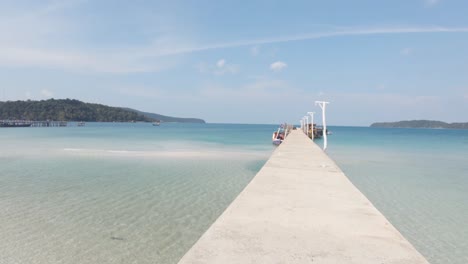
[243,62]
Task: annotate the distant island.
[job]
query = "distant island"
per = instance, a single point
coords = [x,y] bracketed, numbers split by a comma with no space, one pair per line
[74,110]
[421,124]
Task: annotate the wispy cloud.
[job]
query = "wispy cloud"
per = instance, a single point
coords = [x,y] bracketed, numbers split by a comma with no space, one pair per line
[406,51]
[221,67]
[36,25]
[128,61]
[38,38]
[51,7]
[221,63]
[431,3]
[261,89]
[69,60]
[310,36]
[271,92]
[255,50]
[226,68]
[278,66]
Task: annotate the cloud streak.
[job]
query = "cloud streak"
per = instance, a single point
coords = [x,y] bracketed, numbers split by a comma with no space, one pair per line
[39,38]
[23,45]
[310,36]
[69,60]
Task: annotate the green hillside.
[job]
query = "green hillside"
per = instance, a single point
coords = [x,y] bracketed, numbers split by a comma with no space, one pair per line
[164,118]
[74,110]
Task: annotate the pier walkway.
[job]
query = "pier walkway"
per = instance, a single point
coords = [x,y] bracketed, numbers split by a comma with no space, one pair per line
[301,208]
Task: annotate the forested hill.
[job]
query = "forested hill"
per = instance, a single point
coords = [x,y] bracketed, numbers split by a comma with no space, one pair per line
[66,110]
[164,118]
[421,124]
[69,110]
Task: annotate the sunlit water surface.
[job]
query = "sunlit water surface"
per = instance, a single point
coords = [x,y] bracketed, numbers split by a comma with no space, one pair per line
[418,178]
[134,193]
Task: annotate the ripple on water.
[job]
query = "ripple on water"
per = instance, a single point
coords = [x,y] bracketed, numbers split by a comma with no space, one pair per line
[77,209]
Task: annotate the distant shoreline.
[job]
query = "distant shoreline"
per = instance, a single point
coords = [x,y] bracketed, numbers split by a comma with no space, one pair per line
[429,124]
[75,110]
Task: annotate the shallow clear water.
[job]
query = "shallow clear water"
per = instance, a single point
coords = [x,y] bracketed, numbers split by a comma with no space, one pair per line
[119,193]
[134,193]
[418,178]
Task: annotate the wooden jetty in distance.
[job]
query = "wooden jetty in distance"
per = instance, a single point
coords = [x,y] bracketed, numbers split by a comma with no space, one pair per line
[49,124]
[29,123]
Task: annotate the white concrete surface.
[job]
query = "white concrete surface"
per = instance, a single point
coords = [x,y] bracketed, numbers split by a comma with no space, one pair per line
[301,208]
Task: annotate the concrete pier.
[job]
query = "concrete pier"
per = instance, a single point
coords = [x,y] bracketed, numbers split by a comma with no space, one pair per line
[301,208]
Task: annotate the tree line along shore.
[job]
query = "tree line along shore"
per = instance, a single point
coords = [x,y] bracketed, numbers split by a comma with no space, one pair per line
[75,110]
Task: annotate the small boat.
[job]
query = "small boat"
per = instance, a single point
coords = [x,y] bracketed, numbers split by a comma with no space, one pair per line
[317,130]
[277,137]
[156,123]
[80,124]
[276,141]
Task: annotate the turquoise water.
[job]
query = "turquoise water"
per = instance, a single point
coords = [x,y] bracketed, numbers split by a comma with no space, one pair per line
[119,193]
[418,178]
[134,193]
